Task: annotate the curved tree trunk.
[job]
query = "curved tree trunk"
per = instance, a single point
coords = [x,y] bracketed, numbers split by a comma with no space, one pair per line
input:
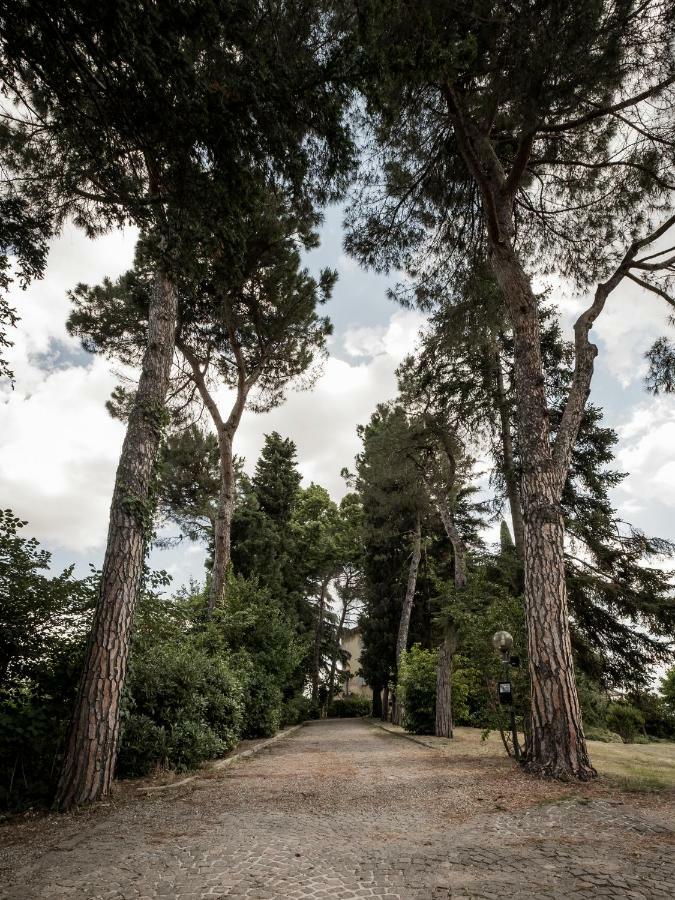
[225,431]
[91,750]
[406,609]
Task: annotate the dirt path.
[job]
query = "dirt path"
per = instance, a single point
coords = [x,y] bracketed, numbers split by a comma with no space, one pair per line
[342,809]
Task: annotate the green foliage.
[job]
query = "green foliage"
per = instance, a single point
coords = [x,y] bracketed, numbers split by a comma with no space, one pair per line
[295,710]
[43,622]
[626,720]
[667,688]
[350,707]
[596,733]
[417,690]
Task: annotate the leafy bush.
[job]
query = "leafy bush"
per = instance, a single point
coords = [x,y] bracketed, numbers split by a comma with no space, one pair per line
[595,733]
[190,743]
[295,710]
[43,621]
[143,746]
[262,706]
[658,715]
[417,690]
[194,701]
[626,720]
[350,707]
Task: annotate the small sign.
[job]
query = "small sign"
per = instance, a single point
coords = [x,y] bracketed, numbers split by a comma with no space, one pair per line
[505,693]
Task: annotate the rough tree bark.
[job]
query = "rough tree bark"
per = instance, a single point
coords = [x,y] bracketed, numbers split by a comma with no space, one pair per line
[91,749]
[225,431]
[406,609]
[558,745]
[318,638]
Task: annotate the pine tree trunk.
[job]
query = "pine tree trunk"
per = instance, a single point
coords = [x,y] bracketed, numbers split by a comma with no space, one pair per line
[509,465]
[406,610]
[377,702]
[91,749]
[558,745]
[318,639]
[223,529]
[444,688]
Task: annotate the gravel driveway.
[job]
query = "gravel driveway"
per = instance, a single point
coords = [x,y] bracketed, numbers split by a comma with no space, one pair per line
[342,809]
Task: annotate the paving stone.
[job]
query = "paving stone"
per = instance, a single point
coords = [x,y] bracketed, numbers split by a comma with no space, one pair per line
[344,811]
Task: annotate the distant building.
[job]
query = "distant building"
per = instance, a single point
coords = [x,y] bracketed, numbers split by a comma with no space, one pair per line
[353,644]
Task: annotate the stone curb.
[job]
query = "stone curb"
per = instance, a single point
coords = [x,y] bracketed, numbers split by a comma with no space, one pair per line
[403,734]
[225,763]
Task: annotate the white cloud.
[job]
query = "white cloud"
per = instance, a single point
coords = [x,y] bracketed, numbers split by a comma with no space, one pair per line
[58,445]
[58,456]
[646,451]
[396,338]
[59,448]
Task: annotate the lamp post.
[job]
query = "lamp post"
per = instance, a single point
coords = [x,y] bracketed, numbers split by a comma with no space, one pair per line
[502,641]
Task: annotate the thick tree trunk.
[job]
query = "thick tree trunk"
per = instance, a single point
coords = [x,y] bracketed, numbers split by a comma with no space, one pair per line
[406,610]
[509,467]
[558,745]
[91,750]
[444,688]
[318,639]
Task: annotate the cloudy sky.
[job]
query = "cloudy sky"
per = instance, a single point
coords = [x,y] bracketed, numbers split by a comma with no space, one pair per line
[59,447]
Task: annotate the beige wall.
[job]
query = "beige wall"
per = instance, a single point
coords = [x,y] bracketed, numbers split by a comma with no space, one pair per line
[351,643]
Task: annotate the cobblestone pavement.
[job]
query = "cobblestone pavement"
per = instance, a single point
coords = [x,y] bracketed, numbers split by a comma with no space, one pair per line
[342,809]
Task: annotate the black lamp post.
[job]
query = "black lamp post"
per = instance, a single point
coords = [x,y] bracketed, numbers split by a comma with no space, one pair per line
[503,643]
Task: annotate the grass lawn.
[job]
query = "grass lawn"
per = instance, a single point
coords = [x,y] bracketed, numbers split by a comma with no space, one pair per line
[633,767]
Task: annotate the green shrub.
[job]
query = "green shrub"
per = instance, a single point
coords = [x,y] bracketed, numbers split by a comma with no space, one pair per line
[417,690]
[143,747]
[659,717]
[295,710]
[262,707]
[626,720]
[190,743]
[195,700]
[595,733]
[350,707]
